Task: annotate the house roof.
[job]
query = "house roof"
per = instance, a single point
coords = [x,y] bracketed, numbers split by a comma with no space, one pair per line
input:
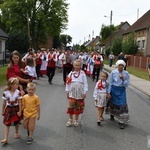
[3,34]
[141,23]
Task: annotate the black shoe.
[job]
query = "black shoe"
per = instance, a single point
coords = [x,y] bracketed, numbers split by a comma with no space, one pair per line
[29,140]
[121,125]
[51,83]
[112,118]
[98,123]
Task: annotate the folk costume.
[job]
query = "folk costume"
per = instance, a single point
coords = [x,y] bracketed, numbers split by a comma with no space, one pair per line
[31,72]
[52,59]
[76,85]
[12,107]
[118,103]
[38,63]
[100,93]
[67,65]
[98,59]
[44,58]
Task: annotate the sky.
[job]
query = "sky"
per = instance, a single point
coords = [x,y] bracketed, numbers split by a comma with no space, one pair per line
[85,17]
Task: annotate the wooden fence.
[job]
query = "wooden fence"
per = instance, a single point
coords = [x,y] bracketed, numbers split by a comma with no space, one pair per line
[140,62]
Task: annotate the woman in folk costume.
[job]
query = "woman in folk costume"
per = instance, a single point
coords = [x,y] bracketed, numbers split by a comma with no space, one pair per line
[44,62]
[76,88]
[119,80]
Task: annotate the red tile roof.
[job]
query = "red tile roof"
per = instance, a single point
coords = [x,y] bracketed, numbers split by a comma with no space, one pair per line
[141,23]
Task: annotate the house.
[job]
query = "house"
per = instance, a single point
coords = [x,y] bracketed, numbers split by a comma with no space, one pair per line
[141,29]
[3,38]
[120,29]
[93,44]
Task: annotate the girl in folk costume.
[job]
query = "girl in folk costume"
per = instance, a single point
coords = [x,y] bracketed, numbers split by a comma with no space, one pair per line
[38,62]
[44,62]
[76,88]
[30,71]
[100,94]
[52,59]
[11,108]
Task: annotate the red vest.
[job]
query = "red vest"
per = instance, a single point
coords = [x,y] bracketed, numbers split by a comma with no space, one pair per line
[51,62]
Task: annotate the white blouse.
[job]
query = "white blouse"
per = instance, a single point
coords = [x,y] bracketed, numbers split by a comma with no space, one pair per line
[12,100]
[81,78]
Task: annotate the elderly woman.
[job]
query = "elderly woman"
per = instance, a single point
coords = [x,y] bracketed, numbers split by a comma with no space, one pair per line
[119,80]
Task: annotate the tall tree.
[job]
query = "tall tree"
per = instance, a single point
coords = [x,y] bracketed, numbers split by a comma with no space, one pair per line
[39,18]
[106,31]
[65,39]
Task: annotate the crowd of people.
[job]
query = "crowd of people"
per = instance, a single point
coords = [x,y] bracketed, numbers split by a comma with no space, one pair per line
[20,101]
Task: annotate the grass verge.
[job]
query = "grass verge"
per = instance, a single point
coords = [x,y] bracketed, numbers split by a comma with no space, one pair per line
[3,75]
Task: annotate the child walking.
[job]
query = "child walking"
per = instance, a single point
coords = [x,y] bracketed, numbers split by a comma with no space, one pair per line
[100,94]
[76,88]
[11,108]
[30,107]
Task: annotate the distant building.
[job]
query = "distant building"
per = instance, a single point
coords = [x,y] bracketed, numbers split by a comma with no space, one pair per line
[141,28]
[120,29]
[3,39]
[93,44]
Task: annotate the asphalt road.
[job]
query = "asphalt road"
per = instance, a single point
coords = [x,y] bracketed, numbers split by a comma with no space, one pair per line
[52,134]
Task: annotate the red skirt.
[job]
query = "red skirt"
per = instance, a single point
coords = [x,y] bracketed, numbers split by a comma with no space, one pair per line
[10,116]
[75,106]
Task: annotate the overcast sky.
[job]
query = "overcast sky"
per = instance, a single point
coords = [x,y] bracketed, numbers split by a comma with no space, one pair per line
[87,16]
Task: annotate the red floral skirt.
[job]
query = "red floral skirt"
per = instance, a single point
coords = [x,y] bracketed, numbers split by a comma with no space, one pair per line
[75,106]
[10,116]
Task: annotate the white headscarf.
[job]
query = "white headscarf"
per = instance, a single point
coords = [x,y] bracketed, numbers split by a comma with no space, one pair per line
[120,62]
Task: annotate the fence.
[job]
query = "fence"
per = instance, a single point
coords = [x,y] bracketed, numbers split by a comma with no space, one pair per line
[140,62]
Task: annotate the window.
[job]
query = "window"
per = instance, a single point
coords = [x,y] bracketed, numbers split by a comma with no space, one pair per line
[0,47]
[138,43]
[143,44]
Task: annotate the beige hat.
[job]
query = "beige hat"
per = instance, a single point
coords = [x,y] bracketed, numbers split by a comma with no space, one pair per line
[120,62]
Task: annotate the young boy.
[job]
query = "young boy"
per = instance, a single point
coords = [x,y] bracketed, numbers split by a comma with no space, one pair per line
[30,107]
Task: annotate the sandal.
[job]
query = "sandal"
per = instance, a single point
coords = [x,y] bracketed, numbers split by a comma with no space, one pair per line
[4,141]
[101,118]
[76,123]
[16,136]
[69,123]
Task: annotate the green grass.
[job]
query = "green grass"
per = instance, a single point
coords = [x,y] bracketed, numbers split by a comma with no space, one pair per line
[3,76]
[138,72]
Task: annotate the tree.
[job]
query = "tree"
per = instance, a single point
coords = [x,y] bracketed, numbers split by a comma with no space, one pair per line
[129,46]
[117,46]
[65,39]
[106,31]
[38,18]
